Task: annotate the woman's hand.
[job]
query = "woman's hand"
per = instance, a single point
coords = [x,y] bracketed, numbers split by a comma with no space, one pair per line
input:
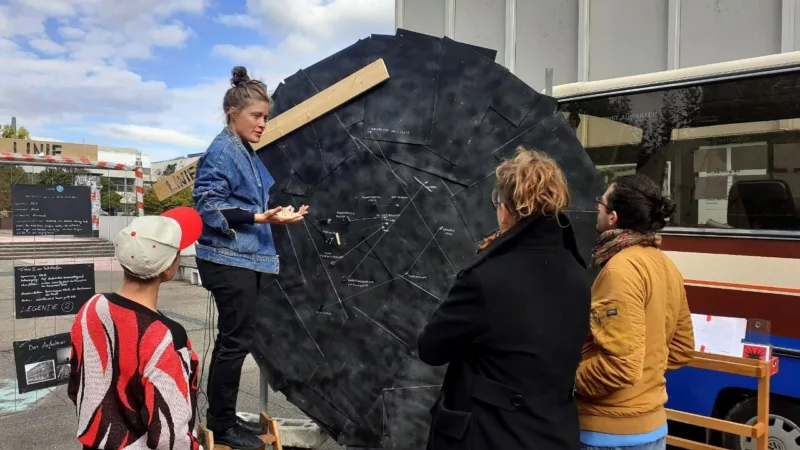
[282,215]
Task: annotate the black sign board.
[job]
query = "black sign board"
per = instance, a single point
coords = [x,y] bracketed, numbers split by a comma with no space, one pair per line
[44,291]
[42,362]
[43,210]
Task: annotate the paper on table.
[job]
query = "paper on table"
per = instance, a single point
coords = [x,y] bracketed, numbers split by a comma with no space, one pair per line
[719,335]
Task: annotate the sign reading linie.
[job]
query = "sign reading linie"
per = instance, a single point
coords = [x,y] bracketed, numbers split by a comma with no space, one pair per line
[43,148]
[176,182]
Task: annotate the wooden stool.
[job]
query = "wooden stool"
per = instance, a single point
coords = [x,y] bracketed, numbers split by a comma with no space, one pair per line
[273,435]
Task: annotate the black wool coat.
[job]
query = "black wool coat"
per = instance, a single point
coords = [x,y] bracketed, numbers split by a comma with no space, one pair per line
[511,330]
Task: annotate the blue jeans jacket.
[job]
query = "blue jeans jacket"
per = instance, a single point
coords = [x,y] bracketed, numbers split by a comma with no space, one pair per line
[229,175]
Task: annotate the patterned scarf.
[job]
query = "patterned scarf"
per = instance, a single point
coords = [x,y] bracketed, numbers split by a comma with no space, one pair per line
[612,242]
[488,240]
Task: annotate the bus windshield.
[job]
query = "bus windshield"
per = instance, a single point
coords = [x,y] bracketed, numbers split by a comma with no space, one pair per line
[728,152]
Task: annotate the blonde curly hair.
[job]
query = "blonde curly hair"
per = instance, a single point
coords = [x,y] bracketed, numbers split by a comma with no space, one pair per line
[531,183]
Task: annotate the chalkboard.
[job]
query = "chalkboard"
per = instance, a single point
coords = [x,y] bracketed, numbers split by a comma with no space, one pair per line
[42,210]
[44,291]
[42,362]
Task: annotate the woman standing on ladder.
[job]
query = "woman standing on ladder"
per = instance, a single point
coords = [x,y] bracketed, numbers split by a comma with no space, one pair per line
[236,253]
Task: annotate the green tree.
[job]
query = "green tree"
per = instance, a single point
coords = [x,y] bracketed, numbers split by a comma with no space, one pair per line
[58,176]
[109,198]
[9,176]
[153,206]
[9,133]
[169,170]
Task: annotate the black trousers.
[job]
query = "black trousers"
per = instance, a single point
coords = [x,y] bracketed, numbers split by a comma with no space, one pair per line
[235,293]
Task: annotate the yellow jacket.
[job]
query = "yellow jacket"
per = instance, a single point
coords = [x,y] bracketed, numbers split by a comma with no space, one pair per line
[640,328]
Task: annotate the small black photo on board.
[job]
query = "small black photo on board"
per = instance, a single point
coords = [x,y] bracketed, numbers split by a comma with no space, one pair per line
[62,363]
[63,355]
[40,372]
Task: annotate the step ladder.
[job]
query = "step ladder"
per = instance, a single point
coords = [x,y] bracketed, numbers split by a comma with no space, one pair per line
[273,435]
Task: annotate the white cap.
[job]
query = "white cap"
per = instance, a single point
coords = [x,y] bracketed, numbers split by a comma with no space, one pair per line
[149,245]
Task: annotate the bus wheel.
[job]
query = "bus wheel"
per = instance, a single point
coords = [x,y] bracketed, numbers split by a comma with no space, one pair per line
[784,424]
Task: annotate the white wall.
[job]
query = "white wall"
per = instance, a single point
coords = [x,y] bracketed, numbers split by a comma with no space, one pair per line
[110,226]
[584,40]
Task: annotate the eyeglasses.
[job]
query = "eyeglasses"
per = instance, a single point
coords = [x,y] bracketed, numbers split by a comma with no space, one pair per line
[495,199]
[599,201]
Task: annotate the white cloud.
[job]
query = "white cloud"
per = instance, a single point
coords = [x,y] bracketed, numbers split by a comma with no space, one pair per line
[313,30]
[47,46]
[338,19]
[78,75]
[149,134]
[44,139]
[71,33]
[84,76]
[238,20]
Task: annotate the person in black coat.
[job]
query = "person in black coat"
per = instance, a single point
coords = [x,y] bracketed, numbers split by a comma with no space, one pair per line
[513,324]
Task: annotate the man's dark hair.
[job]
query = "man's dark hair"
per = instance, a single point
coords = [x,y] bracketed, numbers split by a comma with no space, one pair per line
[639,205]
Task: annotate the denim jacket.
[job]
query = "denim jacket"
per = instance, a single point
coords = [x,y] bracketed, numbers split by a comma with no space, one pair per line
[229,176]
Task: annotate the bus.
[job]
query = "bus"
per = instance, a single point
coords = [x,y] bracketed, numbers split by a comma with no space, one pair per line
[724,142]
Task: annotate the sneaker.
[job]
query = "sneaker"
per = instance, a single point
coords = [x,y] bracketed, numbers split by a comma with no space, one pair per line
[239,439]
[256,428]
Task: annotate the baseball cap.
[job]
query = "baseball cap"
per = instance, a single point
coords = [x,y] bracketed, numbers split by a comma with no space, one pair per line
[149,245]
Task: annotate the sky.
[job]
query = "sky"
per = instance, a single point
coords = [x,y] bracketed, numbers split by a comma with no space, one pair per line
[151,74]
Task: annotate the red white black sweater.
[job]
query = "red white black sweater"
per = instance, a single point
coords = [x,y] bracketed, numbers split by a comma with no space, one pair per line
[133,379]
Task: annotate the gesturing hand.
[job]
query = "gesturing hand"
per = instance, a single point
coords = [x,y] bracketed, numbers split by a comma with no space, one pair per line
[282,215]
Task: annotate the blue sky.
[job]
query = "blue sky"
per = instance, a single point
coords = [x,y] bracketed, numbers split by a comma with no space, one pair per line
[150,74]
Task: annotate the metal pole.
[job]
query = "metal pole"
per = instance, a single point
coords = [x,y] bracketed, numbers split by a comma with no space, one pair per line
[263,388]
[548,81]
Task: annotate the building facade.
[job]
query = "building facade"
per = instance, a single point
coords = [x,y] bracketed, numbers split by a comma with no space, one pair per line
[588,40]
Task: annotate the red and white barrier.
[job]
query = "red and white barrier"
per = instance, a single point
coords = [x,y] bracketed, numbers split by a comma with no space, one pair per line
[84,162]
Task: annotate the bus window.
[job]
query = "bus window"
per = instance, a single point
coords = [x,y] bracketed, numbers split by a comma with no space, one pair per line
[728,152]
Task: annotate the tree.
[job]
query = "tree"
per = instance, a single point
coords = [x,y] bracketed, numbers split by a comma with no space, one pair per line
[110,200]
[9,176]
[153,206]
[169,170]
[19,133]
[58,176]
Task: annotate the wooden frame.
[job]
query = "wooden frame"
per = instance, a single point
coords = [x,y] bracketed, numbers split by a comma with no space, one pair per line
[762,370]
[273,435]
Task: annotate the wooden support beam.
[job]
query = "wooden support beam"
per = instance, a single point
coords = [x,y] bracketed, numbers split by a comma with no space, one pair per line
[691,445]
[302,114]
[714,424]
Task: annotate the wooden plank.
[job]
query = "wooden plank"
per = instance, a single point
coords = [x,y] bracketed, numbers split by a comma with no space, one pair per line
[175,182]
[727,358]
[63,149]
[725,366]
[302,114]
[691,445]
[712,423]
[273,430]
[762,442]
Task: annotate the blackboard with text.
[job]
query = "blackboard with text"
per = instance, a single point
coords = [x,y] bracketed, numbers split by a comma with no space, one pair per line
[57,290]
[44,210]
[42,362]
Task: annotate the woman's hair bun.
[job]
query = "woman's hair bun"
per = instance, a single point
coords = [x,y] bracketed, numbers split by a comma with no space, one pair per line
[239,76]
[664,208]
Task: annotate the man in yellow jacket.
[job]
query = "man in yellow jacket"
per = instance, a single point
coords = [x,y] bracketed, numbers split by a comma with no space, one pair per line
[640,322]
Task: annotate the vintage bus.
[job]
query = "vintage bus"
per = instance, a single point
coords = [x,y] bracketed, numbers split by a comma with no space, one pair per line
[724,141]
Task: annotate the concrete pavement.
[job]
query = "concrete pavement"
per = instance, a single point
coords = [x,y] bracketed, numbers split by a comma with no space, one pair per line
[45,420]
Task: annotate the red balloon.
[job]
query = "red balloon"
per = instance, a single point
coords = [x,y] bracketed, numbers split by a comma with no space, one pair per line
[190,222]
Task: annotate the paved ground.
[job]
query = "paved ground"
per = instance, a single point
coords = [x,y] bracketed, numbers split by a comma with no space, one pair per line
[46,420]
